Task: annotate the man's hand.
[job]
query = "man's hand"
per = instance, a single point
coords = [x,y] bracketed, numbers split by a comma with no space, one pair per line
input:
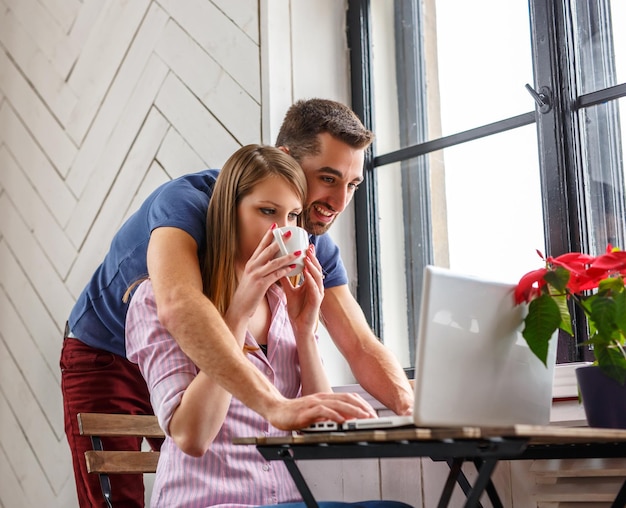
[294,414]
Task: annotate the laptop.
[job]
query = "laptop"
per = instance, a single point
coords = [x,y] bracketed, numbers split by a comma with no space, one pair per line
[472,365]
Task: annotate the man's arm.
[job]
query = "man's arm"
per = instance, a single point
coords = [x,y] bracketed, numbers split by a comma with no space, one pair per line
[373,365]
[203,335]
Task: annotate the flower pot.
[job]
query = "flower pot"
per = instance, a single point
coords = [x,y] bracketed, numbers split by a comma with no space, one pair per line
[604,399]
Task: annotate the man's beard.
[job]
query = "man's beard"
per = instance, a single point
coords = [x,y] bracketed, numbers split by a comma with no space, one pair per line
[315,228]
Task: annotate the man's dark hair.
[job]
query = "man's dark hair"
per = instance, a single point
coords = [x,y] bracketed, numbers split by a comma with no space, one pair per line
[307,118]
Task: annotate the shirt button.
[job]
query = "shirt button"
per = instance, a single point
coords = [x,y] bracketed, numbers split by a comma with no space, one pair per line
[268,372]
[266,467]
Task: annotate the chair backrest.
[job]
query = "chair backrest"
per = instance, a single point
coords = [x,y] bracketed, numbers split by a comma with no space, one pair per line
[105,462]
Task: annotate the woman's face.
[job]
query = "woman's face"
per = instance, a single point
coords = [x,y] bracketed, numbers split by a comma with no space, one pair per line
[271,201]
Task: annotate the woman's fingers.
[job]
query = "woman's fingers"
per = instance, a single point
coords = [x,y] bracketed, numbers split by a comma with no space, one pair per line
[299,413]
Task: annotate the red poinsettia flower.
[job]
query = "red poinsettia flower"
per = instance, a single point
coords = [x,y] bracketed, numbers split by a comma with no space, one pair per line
[596,287]
[530,286]
[575,262]
[613,262]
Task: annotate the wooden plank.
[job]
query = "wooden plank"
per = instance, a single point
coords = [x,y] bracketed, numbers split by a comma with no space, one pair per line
[153,178]
[111,462]
[132,173]
[34,382]
[121,193]
[231,48]
[42,436]
[100,59]
[137,63]
[115,462]
[85,21]
[219,92]
[401,476]
[36,166]
[10,492]
[574,468]
[37,67]
[244,13]
[63,11]
[579,490]
[116,425]
[119,144]
[44,31]
[33,313]
[33,491]
[46,282]
[555,435]
[41,123]
[537,434]
[37,216]
[326,483]
[197,126]
[176,156]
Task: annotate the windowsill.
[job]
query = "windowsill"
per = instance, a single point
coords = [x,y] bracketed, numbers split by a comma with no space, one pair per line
[566,410]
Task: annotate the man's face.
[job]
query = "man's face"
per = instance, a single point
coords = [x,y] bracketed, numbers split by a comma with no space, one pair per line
[332,177]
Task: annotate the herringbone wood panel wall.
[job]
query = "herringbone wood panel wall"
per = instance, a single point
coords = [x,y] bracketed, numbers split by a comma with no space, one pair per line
[100,101]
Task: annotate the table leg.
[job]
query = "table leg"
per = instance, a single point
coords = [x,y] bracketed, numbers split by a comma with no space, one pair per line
[620,499]
[491,489]
[453,476]
[484,477]
[461,479]
[298,479]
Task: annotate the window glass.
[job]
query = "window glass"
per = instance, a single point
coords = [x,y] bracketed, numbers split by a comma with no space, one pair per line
[493,200]
[600,43]
[482,65]
[476,62]
[603,164]
[486,213]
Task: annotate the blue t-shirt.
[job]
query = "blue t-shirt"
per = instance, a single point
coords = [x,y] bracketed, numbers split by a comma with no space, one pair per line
[99,314]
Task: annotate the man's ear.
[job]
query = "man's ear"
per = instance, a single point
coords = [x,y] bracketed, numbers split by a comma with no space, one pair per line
[284,149]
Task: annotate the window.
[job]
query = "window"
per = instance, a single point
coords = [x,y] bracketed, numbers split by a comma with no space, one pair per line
[497,135]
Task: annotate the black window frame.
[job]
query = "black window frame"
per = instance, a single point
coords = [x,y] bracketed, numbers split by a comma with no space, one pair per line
[558,131]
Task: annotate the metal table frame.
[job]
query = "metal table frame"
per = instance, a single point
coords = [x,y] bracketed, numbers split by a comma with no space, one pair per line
[483,447]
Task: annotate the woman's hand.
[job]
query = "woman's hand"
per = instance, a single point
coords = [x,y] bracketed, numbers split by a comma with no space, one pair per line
[303,301]
[295,414]
[259,273]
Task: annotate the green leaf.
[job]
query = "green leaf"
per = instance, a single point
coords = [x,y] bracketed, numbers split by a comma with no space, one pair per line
[620,311]
[603,312]
[543,318]
[611,284]
[566,320]
[612,362]
[558,278]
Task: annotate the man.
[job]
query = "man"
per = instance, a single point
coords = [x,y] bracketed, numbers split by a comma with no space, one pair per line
[164,240]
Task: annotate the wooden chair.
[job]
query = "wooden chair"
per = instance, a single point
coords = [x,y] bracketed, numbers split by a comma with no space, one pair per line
[106,462]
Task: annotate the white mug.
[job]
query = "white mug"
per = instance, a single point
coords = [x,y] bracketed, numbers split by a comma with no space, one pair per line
[299,240]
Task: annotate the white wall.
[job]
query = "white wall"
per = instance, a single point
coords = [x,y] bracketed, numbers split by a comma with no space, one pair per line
[100,101]
[305,55]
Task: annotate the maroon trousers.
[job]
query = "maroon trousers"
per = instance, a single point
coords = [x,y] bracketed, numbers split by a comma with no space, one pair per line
[96,381]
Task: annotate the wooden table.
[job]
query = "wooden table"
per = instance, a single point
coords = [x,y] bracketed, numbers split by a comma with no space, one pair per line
[484,446]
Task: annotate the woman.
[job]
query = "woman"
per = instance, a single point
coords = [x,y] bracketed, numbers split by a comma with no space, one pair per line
[273,322]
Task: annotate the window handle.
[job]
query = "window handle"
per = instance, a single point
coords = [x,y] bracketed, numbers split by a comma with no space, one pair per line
[542,98]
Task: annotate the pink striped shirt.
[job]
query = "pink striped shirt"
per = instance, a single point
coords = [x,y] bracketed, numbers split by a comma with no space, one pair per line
[227,475]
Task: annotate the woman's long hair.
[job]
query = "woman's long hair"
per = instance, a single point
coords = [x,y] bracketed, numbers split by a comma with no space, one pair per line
[247,167]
